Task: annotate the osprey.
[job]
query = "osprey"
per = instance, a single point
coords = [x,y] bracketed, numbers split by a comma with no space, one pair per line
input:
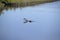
[27,20]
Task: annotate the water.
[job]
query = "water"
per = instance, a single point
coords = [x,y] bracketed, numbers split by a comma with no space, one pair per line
[46,25]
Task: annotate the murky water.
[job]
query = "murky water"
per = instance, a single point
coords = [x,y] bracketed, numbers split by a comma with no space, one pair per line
[45,25]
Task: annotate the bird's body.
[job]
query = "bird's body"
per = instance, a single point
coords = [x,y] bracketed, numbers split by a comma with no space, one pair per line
[27,20]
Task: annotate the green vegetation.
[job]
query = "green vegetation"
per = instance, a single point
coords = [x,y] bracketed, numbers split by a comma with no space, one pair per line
[14,1]
[25,2]
[20,3]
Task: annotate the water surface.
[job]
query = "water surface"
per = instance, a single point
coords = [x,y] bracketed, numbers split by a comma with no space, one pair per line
[46,19]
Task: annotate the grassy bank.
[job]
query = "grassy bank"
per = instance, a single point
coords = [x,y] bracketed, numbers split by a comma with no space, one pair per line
[26,2]
[22,3]
[18,1]
[1,5]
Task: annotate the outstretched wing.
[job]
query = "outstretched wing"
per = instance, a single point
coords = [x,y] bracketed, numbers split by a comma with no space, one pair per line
[25,20]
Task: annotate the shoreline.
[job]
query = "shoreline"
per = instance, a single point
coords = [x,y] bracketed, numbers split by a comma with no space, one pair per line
[21,4]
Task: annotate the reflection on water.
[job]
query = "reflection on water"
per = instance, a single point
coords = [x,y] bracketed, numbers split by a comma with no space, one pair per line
[46,26]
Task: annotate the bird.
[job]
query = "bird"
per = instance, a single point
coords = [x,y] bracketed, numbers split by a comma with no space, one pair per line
[27,20]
